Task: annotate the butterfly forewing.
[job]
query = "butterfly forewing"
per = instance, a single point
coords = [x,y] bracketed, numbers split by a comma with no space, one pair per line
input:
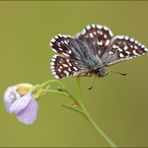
[97,37]
[60,44]
[123,48]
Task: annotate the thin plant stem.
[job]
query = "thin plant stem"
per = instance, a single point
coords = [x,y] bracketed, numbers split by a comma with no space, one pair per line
[74,109]
[81,108]
[52,81]
[98,129]
[92,122]
[71,96]
[57,92]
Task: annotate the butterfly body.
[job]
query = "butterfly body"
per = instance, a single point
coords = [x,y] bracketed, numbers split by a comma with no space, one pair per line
[91,51]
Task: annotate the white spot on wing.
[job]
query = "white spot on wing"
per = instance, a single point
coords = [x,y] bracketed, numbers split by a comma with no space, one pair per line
[83,32]
[67,60]
[52,67]
[107,42]
[65,54]
[54,58]
[111,52]
[119,37]
[66,42]
[125,47]
[135,53]
[69,69]
[126,37]
[88,27]
[100,43]
[52,63]
[60,67]
[65,36]
[91,35]
[105,28]
[70,64]
[56,37]
[142,46]
[131,46]
[60,35]
[60,49]
[69,51]
[56,76]
[136,42]
[66,72]
[131,39]
[119,49]
[135,47]
[105,36]
[145,49]
[75,68]
[121,55]
[53,40]
[110,33]
[127,52]
[115,46]
[93,25]
[99,26]
[65,65]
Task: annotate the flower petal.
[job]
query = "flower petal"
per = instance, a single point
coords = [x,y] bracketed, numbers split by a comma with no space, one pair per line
[29,114]
[10,96]
[21,103]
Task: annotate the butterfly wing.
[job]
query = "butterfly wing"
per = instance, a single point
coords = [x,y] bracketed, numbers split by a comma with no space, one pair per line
[61,45]
[123,48]
[71,56]
[97,37]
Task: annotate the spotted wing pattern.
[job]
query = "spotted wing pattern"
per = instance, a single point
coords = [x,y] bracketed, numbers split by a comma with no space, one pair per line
[69,59]
[63,67]
[95,44]
[123,48]
[97,37]
[60,44]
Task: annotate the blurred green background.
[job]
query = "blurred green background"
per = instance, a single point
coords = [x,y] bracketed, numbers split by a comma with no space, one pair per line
[118,104]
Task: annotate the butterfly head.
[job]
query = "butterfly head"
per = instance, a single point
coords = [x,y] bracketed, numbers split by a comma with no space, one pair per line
[101,72]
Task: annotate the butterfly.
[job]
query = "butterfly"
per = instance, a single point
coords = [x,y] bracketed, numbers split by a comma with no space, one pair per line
[91,51]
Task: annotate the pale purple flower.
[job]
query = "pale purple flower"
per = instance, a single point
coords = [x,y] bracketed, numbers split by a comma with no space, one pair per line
[19,100]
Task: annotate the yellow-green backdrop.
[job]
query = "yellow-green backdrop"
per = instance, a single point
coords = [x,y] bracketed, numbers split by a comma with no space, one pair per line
[118,104]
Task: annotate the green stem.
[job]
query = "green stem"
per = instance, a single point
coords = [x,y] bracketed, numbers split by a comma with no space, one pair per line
[74,109]
[71,96]
[52,81]
[81,108]
[92,122]
[57,92]
[98,129]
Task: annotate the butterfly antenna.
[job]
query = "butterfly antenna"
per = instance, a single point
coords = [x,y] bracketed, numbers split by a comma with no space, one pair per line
[123,74]
[92,83]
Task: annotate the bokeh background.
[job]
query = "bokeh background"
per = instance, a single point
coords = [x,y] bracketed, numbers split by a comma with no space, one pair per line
[118,104]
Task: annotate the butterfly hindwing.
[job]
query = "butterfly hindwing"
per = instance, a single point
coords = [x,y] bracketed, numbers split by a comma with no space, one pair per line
[63,67]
